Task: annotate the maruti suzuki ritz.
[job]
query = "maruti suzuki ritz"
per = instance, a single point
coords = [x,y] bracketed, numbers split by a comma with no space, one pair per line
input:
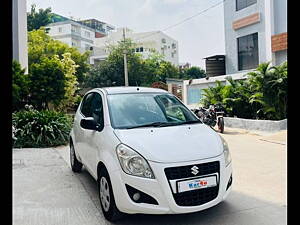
[148,153]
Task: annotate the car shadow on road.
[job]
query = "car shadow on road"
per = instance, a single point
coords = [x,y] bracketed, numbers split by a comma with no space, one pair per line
[231,132]
[229,212]
[238,209]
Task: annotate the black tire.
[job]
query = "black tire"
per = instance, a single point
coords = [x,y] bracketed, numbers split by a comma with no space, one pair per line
[110,212]
[75,164]
[221,125]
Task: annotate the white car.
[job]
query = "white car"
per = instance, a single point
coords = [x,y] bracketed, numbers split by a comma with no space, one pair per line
[148,153]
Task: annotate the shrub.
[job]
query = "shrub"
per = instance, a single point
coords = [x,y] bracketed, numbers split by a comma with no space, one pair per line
[41,128]
[262,96]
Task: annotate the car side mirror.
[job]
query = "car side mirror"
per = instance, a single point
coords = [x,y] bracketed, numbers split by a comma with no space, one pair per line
[90,124]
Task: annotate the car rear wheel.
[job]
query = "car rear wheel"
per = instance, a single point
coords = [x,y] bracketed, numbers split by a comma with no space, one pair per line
[75,164]
[106,196]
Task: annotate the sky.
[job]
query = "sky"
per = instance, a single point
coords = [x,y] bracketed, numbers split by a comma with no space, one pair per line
[199,37]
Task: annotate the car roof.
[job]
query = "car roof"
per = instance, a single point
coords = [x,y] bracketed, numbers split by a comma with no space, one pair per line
[126,90]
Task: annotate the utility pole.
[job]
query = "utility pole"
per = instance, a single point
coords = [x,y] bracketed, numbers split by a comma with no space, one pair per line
[125,61]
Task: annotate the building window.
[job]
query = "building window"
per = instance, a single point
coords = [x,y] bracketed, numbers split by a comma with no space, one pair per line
[163,40]
[75,29]
[173,45]
[241,4]
[87,34]
[248,52]
[141,49]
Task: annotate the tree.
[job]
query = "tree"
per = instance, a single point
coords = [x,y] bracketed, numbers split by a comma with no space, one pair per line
[135,65]
[40,44]
[192,73]
[52,81]
[99,76]
[167,70]
[141,72]
[37,19]
[152,65]
[71,82]
[20,89]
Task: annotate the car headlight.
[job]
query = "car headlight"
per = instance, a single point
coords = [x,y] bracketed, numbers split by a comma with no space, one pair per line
[227,155]
[133,163]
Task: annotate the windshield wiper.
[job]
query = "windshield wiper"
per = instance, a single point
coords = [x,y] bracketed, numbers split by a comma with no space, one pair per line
[155,124]
[189,122]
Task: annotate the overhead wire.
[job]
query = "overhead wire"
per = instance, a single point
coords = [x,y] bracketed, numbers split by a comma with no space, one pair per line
[183,21]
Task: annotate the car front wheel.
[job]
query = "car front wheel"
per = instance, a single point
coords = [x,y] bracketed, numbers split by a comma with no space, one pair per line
[107,201]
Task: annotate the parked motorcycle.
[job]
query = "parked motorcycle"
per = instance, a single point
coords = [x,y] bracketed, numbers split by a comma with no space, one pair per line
[212,116]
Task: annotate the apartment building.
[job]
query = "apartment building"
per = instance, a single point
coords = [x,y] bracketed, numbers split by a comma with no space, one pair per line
[146,43]
[255,32]
[79,34]
[72,33]
[101,28]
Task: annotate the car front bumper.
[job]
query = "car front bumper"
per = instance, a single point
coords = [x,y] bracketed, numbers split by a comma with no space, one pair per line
[162,190]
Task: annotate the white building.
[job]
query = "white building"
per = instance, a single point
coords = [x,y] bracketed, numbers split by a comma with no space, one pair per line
[146,42]
[72,33]
[81,34]
[19,29]
[255,32]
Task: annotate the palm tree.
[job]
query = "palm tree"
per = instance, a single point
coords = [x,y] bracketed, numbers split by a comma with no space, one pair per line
[268,85]
[212,95]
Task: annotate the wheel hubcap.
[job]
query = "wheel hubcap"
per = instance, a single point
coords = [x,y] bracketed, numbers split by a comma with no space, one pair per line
[104,194]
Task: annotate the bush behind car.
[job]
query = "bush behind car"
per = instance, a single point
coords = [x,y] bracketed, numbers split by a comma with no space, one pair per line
[41,128]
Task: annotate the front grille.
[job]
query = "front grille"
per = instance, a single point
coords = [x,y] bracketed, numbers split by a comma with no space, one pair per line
[181,172]
[194,197]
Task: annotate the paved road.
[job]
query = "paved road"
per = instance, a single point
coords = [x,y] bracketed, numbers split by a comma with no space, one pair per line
[45,191]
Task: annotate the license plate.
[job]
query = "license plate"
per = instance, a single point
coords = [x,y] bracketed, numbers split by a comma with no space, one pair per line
[198,183]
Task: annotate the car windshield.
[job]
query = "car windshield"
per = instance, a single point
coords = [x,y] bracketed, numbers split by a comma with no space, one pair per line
[129,111]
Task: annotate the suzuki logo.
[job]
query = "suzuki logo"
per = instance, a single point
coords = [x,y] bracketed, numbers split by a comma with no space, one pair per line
[195,170]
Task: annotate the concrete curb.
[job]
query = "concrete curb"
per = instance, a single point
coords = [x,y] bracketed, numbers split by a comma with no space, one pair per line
[261,125]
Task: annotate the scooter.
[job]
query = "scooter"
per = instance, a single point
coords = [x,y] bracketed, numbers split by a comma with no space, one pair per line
[211,116]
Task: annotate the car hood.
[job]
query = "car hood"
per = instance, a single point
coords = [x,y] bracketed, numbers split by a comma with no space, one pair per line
[174,143]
